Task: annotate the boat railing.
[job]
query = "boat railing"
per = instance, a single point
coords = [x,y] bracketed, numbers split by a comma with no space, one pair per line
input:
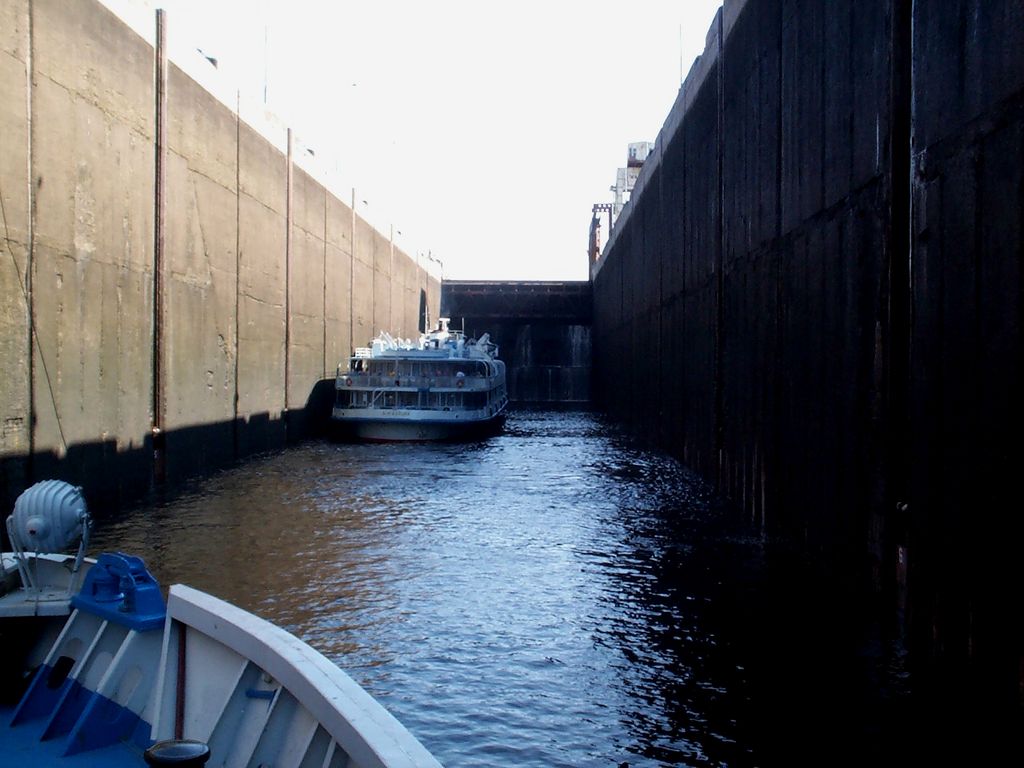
[404,408]
[471,382]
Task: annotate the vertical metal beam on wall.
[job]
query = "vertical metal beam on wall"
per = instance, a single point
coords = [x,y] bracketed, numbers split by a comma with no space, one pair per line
[30,250]
[771,450]
[287,280]
[719,383]
[661,429]
[160,152]
[324,347]
[391,282]
[351,280]
[238,264]
[27,280]
[898,240]
[373,282]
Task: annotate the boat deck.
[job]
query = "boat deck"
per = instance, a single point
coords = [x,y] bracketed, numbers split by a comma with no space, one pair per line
[23,746]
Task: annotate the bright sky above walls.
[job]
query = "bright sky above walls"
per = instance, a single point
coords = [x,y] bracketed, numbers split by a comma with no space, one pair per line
[483,132]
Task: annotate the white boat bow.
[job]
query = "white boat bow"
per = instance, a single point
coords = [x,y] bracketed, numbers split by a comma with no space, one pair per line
[98,671]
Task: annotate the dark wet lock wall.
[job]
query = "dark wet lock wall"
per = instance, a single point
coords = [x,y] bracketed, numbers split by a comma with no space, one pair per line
[817,289]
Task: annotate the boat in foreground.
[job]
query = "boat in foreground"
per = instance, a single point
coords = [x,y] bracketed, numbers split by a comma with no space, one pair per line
[443,387]
[98,670]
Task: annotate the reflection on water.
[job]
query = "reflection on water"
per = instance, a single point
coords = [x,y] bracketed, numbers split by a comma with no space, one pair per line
[551,596]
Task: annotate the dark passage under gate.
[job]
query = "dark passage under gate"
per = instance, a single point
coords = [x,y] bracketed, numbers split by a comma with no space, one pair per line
[541,328]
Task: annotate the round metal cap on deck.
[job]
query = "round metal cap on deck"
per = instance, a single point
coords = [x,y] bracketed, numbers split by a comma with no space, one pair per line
[51,516]
[178,752]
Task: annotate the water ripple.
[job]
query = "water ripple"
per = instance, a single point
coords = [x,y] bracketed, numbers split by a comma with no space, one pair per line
[549,597]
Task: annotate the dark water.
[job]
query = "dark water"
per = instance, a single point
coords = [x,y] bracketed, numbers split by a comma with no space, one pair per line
[554,596]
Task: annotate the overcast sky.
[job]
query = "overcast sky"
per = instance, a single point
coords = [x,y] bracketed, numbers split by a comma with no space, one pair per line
[482,131]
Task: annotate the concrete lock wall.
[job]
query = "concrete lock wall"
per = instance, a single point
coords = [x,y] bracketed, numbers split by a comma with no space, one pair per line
[814,297]
[259,300]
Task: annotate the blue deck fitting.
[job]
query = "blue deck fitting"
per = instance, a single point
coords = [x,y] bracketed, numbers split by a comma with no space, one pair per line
[120,589]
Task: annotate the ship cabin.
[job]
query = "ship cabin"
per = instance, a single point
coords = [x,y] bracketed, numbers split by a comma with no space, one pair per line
[422,380]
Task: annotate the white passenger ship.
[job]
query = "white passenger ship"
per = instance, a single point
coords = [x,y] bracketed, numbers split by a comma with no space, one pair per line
[443,387]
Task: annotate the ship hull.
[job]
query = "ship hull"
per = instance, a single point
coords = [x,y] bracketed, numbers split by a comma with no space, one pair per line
[404,429]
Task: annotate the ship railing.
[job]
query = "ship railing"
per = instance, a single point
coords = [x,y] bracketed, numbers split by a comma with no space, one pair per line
[470,383]
[380,404]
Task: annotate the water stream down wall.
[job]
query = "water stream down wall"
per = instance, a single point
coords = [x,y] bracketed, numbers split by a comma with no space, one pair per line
[814,298]
[176,281]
